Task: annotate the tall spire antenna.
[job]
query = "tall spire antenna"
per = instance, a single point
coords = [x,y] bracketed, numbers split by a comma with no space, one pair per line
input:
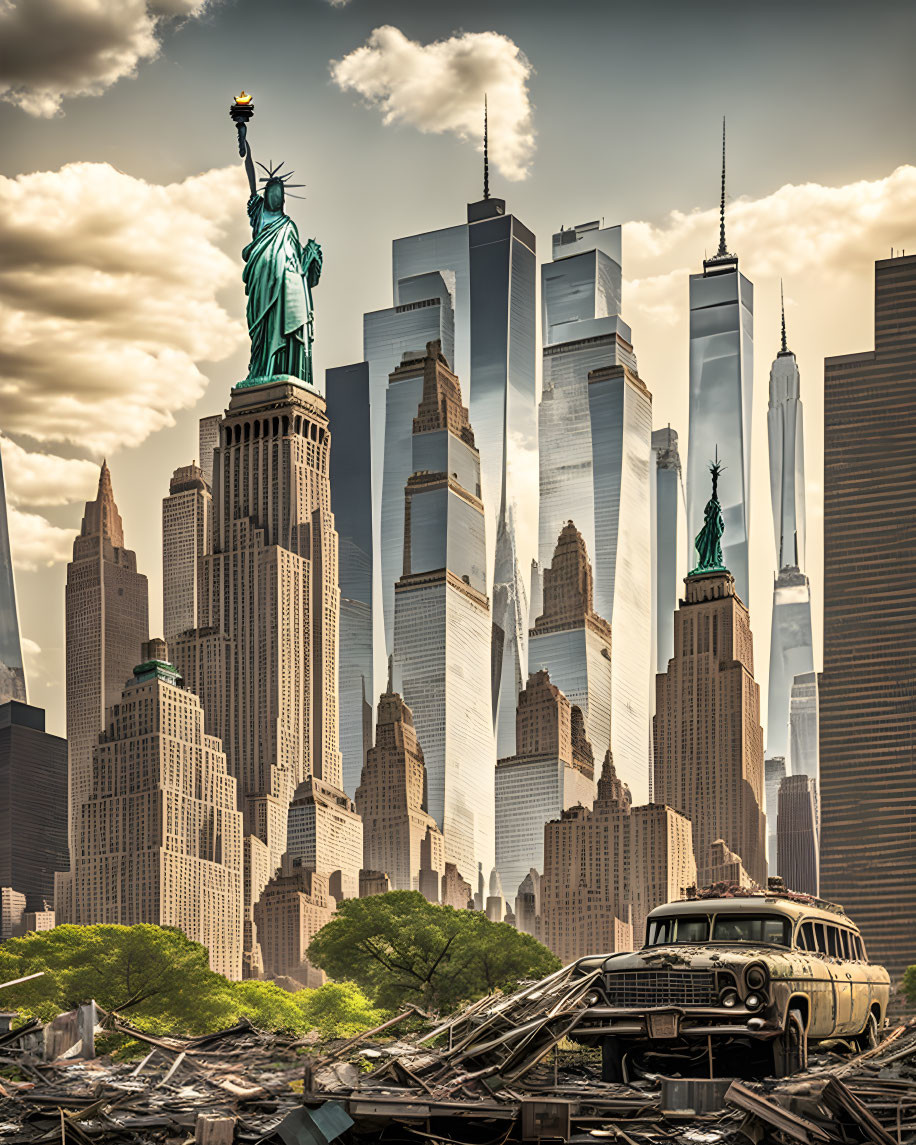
[782,304]
[486,151]
[723,250]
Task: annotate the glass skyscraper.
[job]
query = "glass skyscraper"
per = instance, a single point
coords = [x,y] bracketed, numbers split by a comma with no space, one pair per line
[442,624]
[721,393]
[791,652]
[347,389]
[12,674]
[669,540]
[597,475]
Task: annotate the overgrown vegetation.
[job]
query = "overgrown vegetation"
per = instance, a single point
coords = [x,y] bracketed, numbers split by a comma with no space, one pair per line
[400,948]
[161,982]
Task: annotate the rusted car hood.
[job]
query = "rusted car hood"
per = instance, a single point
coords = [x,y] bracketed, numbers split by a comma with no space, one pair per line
[780,963]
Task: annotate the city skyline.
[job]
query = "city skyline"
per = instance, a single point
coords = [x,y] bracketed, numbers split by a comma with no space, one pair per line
[769,213]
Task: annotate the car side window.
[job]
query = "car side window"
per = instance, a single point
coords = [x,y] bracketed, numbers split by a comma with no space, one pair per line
[809,937]
[850,941]
[863,954]
[833,942]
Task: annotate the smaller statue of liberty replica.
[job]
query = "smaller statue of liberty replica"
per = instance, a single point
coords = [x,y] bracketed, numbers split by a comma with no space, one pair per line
[708,540]
[280,273]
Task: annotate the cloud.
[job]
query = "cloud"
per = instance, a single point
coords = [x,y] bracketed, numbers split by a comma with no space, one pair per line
[36,543]
[108,300]
[440,87]
[43,478]
[55,49]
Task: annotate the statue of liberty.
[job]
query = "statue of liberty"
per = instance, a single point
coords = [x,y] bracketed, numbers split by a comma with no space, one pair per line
[279,272]
[708,540]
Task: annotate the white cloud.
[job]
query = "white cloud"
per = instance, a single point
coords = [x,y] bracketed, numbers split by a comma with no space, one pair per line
[108,300]
[35,542]
[54,49]
[440,87]
[43,478]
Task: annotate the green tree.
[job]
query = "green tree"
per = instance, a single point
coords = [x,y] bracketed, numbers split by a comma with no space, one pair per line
[400,948]
[338,1010]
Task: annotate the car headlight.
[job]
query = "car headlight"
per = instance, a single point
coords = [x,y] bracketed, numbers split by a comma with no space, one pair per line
[729,998]
[755,976]
[753,1001]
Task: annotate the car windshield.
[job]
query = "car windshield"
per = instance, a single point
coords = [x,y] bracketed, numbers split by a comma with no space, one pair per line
[725,927]
[769,928]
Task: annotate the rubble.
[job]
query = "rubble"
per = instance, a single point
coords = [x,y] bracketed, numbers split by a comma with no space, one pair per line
[501,1070]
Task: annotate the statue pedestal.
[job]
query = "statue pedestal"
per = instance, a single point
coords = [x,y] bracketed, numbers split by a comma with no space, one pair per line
[272,380]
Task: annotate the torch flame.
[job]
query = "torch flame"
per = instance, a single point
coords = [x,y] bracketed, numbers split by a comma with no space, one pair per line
[243,99]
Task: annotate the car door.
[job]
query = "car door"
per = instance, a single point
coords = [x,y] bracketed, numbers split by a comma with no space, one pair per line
[840,972]
[822,1018]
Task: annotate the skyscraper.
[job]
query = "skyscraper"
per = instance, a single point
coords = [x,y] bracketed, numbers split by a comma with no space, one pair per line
[12,673]
[270,607]
[620,408]
[721,395]
[553,769]
[595,425]
[185,540]
[868,686]
[391,801]
[207,441]
[708,739]
[159,838]
[803,732]
[571,642]
[347,389]
[442,626]
[774,772]
[791,646]
[107,620]
[606,868]
[294,906]
[797,858]
[669,540]
[33,804]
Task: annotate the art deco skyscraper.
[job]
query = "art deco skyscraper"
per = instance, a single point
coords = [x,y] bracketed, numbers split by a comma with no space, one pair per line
[595,425]
[442,629]
[185,540]
[392,801]
[159,834]
[553,769]
[867,688]
[669,540]
[791,646]
[797,859]
[571,642]
[708,739]
[270,592]
[12,674]
[107,620]
[721,395]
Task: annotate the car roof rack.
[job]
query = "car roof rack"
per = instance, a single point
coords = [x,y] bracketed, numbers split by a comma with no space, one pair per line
[775,889]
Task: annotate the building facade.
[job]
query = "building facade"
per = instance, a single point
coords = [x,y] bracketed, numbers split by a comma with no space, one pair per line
[12,672]
[571,642]
[669,541]
[442,636]
[398,831]
[774,772]
[721,397]
[708,738]
[293,907]
[185,541]
[160,835]
[553,769]
[867,689]
[107,620]
[798,861]
[33,805]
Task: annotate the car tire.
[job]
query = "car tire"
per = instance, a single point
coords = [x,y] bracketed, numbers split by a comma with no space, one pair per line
[790,1049]
[612,1060]
[868,1039]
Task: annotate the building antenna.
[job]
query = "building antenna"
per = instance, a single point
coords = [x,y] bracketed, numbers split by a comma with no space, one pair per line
[486,151]
[782,303]
[723,250]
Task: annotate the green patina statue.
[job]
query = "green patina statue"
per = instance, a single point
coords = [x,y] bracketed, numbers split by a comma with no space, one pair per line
[708,541]
[279,273]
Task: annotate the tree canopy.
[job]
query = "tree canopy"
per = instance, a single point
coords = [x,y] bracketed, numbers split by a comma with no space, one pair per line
[161,981]
[401,948]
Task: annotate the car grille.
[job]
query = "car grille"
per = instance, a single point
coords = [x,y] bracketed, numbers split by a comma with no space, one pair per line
[661,988]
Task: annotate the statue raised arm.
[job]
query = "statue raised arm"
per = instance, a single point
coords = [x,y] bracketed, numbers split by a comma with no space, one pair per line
[279,272]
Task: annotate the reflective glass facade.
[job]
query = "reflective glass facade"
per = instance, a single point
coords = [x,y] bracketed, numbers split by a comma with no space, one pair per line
[347,390]
[669,538]
[774,771]
[579,665]
[791,652]
[721,391]
[803,732]
[620,409]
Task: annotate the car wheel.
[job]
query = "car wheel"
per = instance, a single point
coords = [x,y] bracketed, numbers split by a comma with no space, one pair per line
[868,1039]
[612,1060]
[790,1049]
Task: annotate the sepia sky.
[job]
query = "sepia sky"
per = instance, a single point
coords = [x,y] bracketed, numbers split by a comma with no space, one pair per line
[122,208]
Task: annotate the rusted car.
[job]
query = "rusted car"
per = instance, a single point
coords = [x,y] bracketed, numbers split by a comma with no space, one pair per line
[762,975]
